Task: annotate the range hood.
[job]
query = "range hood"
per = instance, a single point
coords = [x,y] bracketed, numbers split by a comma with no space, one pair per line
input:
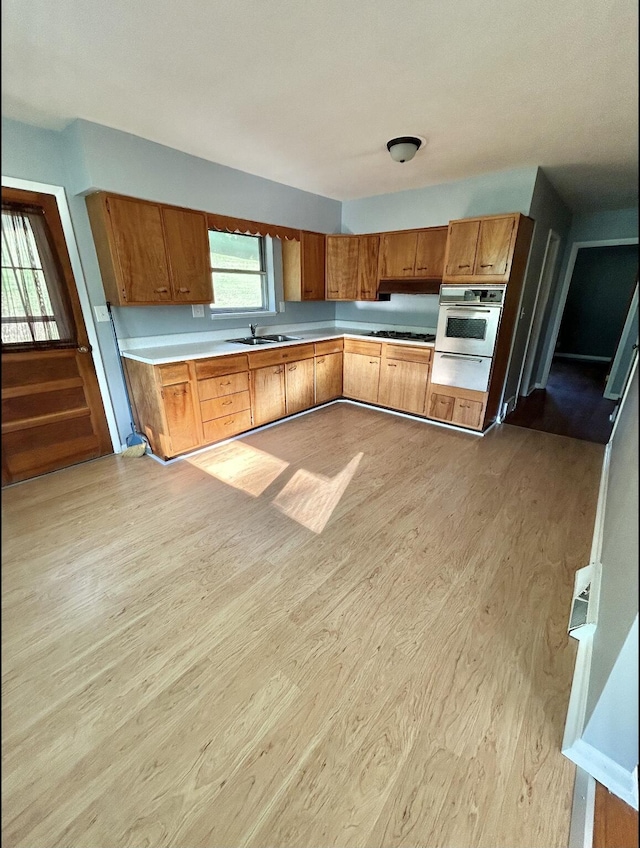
[409,285]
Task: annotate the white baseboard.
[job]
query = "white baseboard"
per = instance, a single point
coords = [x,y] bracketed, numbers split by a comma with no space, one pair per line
[582,811]
[606,771]
[582,356]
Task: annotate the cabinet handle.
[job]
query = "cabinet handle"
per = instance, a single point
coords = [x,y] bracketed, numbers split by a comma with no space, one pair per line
[233,421]
[407,269]
[227,402]
[162,290]
[487,266]
[373,362]
[278,371]
[464,266]
[423,268]
[228,383]
[308,291]
[292,367]
[320,361]
[184,291]
[391,365]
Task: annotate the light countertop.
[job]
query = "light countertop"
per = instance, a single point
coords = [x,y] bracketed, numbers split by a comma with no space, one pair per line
[164,354]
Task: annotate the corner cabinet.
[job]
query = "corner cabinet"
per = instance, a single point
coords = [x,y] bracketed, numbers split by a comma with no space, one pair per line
[303,267]
[481,250]
[150,253]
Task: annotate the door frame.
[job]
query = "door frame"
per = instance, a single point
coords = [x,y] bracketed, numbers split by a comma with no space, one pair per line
[562,301]
[83,294]
[625,338]
[543,293]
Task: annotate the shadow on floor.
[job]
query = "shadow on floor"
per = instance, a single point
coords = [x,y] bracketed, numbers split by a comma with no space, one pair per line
[571,405]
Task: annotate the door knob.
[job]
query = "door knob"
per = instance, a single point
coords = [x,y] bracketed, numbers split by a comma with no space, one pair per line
[84,349]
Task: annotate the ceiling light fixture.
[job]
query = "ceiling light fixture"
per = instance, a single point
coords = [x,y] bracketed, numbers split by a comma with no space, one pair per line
[404,148]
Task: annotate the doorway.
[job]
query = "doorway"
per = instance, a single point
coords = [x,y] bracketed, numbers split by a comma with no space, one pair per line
[53,414]
[591,333]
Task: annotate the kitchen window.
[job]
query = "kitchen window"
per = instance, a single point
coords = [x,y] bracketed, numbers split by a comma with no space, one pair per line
[242,282]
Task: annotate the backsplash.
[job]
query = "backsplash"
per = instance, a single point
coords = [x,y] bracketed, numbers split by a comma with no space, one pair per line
[406,310]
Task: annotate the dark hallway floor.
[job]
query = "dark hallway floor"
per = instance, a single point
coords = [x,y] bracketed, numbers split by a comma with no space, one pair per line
[571,405]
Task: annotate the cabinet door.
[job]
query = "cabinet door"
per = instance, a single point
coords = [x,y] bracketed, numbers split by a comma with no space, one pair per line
[398,254]
[299,384]
[403,385]
[313,262]
[328,377]
[368,247]
[268,394]
[430,253]
[180,414]
[342,267]
[461,248]
[361,377]
[467,413]
[440,406]
[494,244]
[187,241]
[139,243]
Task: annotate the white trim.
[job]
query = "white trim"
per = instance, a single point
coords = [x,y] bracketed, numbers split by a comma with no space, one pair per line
[634,368]
[83,294]
[598,528]
[547,273]
[582,810]
[618,780]
[541,381]
[625,339]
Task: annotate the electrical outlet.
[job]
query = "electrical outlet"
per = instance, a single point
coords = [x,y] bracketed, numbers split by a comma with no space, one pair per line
[281,306]
[102,313]
[197,310]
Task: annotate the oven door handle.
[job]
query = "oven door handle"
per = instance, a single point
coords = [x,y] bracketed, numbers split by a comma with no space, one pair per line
[470,308]
[464,356]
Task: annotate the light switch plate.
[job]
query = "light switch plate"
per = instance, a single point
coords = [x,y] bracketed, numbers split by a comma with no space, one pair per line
[102,313]
[197,310]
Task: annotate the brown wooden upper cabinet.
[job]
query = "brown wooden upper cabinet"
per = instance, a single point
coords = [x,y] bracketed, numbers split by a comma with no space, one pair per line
[150,253]
[303,267]
[412,253]
[481,249]
[352,267]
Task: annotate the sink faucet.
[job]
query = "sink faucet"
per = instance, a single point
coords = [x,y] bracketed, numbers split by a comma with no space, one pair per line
[253,329]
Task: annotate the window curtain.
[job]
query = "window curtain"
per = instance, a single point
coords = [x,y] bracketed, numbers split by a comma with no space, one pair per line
[35,309]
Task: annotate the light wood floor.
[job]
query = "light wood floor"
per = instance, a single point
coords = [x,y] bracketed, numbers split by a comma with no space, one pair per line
[347,630]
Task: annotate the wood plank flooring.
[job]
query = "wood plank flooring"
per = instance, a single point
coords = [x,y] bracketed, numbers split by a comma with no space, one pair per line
[615,823]
[346,630]
[573,403]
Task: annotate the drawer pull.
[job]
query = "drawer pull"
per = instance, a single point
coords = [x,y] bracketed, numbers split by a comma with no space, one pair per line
[464,266]
[373,362]
[320,361]
[184,291]
[487,266]
[227,402]
[292,367]
[391,365]
[407,269]
[162,290]
[228,383]
[227,423]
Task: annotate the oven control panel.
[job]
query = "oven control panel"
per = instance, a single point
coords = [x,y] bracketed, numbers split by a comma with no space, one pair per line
[489,296]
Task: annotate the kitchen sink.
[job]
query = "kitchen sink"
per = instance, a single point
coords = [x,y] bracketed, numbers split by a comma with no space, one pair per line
[278,338]
[257,340]
[252,340]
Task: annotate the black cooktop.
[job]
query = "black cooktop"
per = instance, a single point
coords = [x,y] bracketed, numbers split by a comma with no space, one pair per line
[398,334]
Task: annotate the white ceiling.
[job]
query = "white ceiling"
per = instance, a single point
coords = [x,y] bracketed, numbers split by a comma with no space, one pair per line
[308,93]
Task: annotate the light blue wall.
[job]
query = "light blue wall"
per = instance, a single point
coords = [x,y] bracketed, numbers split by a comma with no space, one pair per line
[433,206]
[595,226]
[30,153]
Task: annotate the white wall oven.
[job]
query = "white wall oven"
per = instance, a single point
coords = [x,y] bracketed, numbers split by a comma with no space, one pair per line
[468,323]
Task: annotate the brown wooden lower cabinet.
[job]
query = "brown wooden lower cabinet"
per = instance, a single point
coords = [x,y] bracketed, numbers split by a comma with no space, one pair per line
[165,405]
[299,385]
[463,407]
[181,406]
[404,377]
[268,394]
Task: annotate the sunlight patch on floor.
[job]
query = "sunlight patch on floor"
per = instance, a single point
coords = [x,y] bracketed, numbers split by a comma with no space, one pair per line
[241,466]
[310,499]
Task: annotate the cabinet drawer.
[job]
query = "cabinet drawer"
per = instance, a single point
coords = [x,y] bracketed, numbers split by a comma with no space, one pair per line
[230,425]
[407,354]
[276,356]
[226,405]
[221,365]
[363,348]
[177,372]
[228,384]
[330,346]
[468,413]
